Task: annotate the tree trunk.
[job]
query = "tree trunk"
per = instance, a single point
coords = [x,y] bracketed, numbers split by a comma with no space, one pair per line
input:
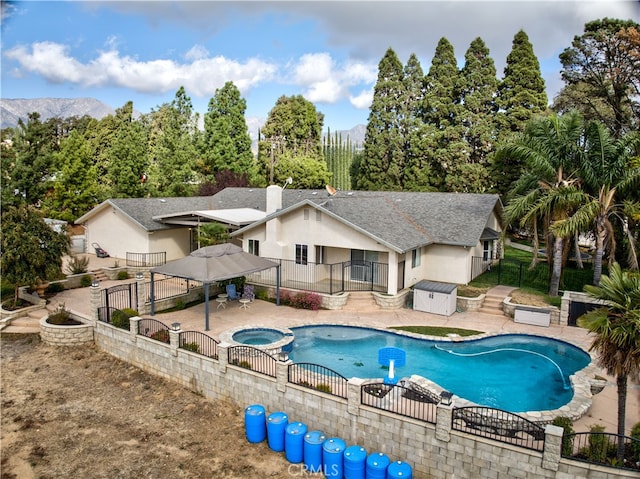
[622,412]
[554,285]
[597,261]
[576,240]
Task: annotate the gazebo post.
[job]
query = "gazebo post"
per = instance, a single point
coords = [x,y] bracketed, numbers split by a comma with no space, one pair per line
[153,299]
[206,306]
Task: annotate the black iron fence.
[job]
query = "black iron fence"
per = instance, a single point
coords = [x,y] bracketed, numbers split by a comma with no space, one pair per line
[252,358]
[199,343]
[602,448]
[499,425]
[146,259]
[121,296]
[401,400]
[154,329]
[326,278]
[511,272]
[320,378]
[169,287]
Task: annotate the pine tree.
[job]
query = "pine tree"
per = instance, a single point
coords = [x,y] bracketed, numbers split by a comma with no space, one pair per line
[227,144]
[521,96]
[383,144]
[478,86]
[442,111]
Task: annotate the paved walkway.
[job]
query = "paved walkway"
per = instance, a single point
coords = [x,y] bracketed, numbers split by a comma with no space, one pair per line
[263,313]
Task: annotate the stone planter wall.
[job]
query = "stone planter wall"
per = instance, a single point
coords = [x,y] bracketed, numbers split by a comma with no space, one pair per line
[470,304]
[56,335]
[509,309]
[386,301]
[334,301]
[73,280]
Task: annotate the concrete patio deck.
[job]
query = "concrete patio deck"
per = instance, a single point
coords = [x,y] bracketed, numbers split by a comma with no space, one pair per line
[263,313]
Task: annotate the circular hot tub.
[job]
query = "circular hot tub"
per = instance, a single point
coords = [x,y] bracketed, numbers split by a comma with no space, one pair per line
[269,339]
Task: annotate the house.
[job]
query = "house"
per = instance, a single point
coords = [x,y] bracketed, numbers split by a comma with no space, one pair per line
[385,240]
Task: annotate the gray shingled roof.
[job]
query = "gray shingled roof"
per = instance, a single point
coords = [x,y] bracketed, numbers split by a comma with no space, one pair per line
[401,220]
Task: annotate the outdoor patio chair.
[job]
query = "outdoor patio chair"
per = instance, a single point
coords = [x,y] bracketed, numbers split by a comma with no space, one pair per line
[248,292]
[232,294]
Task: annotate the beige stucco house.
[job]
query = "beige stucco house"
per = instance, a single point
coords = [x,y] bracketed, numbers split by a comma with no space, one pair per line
[386,241]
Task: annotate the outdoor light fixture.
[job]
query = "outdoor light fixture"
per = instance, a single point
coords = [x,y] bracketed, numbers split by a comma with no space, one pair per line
[95,283]
[175,326]
[139,275]
[445,398]
[283,356]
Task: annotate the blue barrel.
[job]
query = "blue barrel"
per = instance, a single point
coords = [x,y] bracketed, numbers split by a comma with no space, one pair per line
[400,470]
[377,464]
[276,424]
[255,423]
[354,461]
[293,441]
[312,451]
[333,457]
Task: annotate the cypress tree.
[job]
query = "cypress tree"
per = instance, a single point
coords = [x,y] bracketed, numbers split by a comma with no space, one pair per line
[383,144]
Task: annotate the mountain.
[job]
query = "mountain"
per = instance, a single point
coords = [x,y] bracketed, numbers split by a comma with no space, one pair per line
[13,109]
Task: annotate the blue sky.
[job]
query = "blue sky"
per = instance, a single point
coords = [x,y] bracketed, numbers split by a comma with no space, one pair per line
[116,51]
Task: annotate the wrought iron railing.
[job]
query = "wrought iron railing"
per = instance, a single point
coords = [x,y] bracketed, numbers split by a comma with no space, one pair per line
[499,425]
[141,260]
[602,448]
[154,329]
[169,287]
[252,358]
[401,400]
[326,278]
[199,343]
[320,378]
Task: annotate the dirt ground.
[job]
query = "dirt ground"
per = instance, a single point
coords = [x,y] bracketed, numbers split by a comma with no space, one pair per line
[80,413]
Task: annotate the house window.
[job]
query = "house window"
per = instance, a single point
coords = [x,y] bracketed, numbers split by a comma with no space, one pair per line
[318,215]
[320,254]
[487,250]
[415,258]
[254,247]
[305,213]
[302,256]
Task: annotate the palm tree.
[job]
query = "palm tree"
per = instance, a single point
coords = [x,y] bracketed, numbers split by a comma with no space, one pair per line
[617,330]
[549,190]
[606,172]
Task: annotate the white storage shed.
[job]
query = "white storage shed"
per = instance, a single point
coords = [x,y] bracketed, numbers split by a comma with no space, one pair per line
[437,298]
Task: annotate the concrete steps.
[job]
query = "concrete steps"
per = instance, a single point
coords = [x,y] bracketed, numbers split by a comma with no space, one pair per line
[492,304]
[100,275]
[360,301]
[28,324]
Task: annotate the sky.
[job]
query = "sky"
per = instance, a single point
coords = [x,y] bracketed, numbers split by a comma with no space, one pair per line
[327,51]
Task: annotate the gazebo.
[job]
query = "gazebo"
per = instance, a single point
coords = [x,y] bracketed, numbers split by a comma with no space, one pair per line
[211,264]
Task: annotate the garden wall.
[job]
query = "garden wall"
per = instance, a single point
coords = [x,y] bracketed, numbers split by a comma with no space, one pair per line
[434,450]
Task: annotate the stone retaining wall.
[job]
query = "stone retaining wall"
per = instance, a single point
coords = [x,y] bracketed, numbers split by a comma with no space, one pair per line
[396,301]
[433,450]
[56,335]
[509,309]
[470,304]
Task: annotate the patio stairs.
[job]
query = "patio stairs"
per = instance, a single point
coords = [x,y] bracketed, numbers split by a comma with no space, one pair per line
[25,325]
[100,275]
[361,301]
[492,303]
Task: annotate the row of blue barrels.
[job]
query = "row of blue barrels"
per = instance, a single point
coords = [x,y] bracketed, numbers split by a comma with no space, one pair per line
[319,453]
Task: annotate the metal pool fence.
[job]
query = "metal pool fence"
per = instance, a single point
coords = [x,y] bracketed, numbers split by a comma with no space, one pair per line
[252,358]
[399,399]
[200,343]
[320,378]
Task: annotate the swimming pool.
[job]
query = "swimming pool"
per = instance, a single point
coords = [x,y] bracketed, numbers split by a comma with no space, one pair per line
[514,372]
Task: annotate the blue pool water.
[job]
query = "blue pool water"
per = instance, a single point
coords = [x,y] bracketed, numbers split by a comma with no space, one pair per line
[257,336]
[513,372]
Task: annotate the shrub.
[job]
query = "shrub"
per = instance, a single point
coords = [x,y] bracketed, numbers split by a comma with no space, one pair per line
[162,335]
[77,265]
[54,288]
[306,300]
[245,364]
[567,438]
[122,275]
[598,444]
[325,388]
[120,319]
[262,295]
[179,305]
[86,280]
[60,315]
[193,347]
[635,445]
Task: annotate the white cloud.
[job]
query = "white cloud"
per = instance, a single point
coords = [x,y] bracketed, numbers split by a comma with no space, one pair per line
[363,100]
[197,52]
[323,80]
[200,77]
